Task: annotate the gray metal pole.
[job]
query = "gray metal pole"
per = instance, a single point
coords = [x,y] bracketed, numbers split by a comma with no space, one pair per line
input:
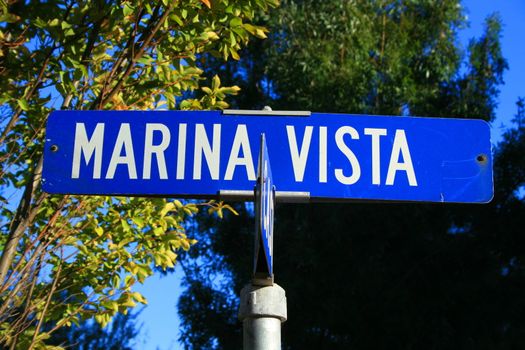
[263,309]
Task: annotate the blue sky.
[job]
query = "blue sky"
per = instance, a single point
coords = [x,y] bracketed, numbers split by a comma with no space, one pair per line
[160,323]
[513,45]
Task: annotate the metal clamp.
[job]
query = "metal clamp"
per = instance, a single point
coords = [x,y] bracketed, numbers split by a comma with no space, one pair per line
[266,112]
[280,196]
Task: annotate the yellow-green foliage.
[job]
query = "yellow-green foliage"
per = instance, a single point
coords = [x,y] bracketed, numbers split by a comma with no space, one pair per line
[70,258]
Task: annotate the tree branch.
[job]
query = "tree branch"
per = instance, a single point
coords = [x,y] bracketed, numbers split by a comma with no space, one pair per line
[137,56]
[48,301]
[23,218]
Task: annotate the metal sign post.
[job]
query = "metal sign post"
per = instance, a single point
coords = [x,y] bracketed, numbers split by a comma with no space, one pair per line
[263,303]
[263,309]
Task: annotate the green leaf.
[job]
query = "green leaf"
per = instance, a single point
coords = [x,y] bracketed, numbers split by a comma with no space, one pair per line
[211,35]
[53,23]
[127,9]
[139,221]
[125,225]
[99,231]
[9,17]
[69,32]
[215,83]
[22,103]
[177,19]
[260,33]
[139,297]
[235,22]
[234,54]
[146,59]
[167,208]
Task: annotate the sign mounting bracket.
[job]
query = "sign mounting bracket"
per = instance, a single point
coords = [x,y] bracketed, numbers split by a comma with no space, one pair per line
[280,196]
[266,112]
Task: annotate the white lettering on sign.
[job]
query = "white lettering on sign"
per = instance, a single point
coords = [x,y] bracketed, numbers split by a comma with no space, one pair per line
[211,153]
[299,157]
[400,147]
[323,154]
[157,150]
[86,147]
[240,142]
[376,156]
[356,168]
[340,151]
[181,152]
[123,142]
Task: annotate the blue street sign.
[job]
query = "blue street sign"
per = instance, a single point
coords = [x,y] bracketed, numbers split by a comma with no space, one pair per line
[265,201]
[330,157]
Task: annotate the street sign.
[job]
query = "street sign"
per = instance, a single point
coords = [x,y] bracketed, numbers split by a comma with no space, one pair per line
[322,157]
[265,201]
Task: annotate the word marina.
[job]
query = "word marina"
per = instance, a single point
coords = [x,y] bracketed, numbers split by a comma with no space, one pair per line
[208,147]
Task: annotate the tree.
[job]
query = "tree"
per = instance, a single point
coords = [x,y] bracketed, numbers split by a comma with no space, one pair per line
[82,55]
[120,334]
[404,276]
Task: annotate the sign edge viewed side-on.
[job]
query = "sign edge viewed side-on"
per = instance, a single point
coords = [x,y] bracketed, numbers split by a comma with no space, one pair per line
[264,218]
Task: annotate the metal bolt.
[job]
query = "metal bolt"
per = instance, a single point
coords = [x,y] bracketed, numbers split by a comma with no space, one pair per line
[482,158]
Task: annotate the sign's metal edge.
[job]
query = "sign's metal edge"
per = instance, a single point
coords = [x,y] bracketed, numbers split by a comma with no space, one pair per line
[247,112]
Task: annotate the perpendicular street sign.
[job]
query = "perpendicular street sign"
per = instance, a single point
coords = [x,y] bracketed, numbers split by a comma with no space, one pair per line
[264,206]
[324,157]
